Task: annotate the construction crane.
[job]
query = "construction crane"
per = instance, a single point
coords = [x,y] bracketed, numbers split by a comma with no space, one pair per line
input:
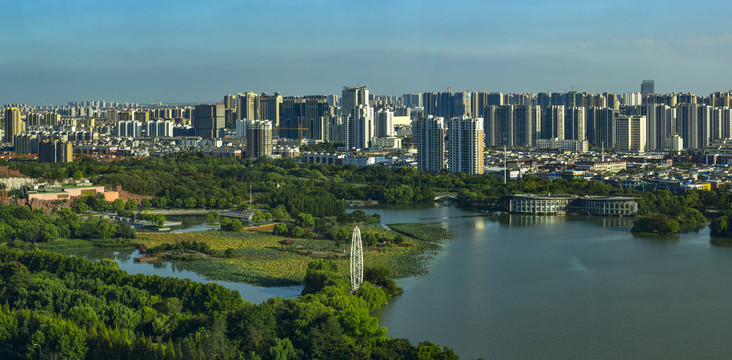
[575,87]
[299,129]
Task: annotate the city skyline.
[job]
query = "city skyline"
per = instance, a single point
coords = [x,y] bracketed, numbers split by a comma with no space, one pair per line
[192,52]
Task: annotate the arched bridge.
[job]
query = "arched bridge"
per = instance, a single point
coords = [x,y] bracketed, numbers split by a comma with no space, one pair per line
[446,198]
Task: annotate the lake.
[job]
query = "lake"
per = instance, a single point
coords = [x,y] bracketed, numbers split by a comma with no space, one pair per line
[548,287]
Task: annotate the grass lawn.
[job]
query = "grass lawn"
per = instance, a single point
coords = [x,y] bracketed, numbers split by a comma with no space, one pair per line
[258,257]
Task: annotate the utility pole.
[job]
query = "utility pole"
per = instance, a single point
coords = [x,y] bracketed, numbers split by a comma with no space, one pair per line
[602,151]
[505,165]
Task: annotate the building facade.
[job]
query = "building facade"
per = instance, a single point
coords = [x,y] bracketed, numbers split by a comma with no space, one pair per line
[208,120]
[540,204]
[13,124]
[429,134]
[465,145]
[55,151]
[259,138]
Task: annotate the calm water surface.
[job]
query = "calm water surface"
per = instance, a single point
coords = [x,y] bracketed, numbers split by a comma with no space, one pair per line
[535,287]
[125,260]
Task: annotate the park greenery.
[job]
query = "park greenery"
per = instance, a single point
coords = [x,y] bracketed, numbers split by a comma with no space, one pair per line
[434,232]
[287,187]
[77,309]
[260,257]
[21,227]
[60,307]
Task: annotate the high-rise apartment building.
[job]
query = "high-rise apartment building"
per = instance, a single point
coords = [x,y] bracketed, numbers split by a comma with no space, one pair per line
[241,128]
[259,138]
[721,123]
[246,106]
[55,151]
[660,123]
[317,117]
[601,126]
[269,108]
[574,123]
[648,87]
[465,143]
[412,100]
[25,144]
[142,116]
[631,133]
[159,128]
[446,104]
[384,123]
[229,102]
[462,105]
[208,120]
[429,134]
[693,124]
[512,125]
[552,123]
[292,117]
[358,117]
[306,117]
[128,128]
[13,124]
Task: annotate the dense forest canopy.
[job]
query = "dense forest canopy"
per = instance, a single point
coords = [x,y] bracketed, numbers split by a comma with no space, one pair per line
[76,309]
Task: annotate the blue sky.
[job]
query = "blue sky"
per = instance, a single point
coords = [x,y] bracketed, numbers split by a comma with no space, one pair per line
[189,51]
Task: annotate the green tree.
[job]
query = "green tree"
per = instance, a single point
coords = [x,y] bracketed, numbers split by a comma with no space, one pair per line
[280,213]
[145,203]
[305,220]
[131,205]
[80,207]
[125,230]
[118,204]
[297,232]
[213,217]
[280,229]
[231,225]
[655,223]
[258,216]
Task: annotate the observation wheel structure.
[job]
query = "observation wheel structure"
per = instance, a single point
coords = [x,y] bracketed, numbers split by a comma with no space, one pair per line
[356,260]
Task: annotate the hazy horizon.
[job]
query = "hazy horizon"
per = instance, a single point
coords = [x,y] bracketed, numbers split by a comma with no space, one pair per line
[189,51]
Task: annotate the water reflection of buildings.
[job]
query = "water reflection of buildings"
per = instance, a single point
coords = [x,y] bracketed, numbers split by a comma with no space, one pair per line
[523,220]
[608,221]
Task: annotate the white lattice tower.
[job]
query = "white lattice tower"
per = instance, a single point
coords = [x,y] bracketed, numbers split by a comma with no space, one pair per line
[356,260]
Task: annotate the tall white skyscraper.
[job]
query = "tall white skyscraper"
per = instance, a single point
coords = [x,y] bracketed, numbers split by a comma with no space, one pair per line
[358,117]
[384,124]
[429,134]
[465,143]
